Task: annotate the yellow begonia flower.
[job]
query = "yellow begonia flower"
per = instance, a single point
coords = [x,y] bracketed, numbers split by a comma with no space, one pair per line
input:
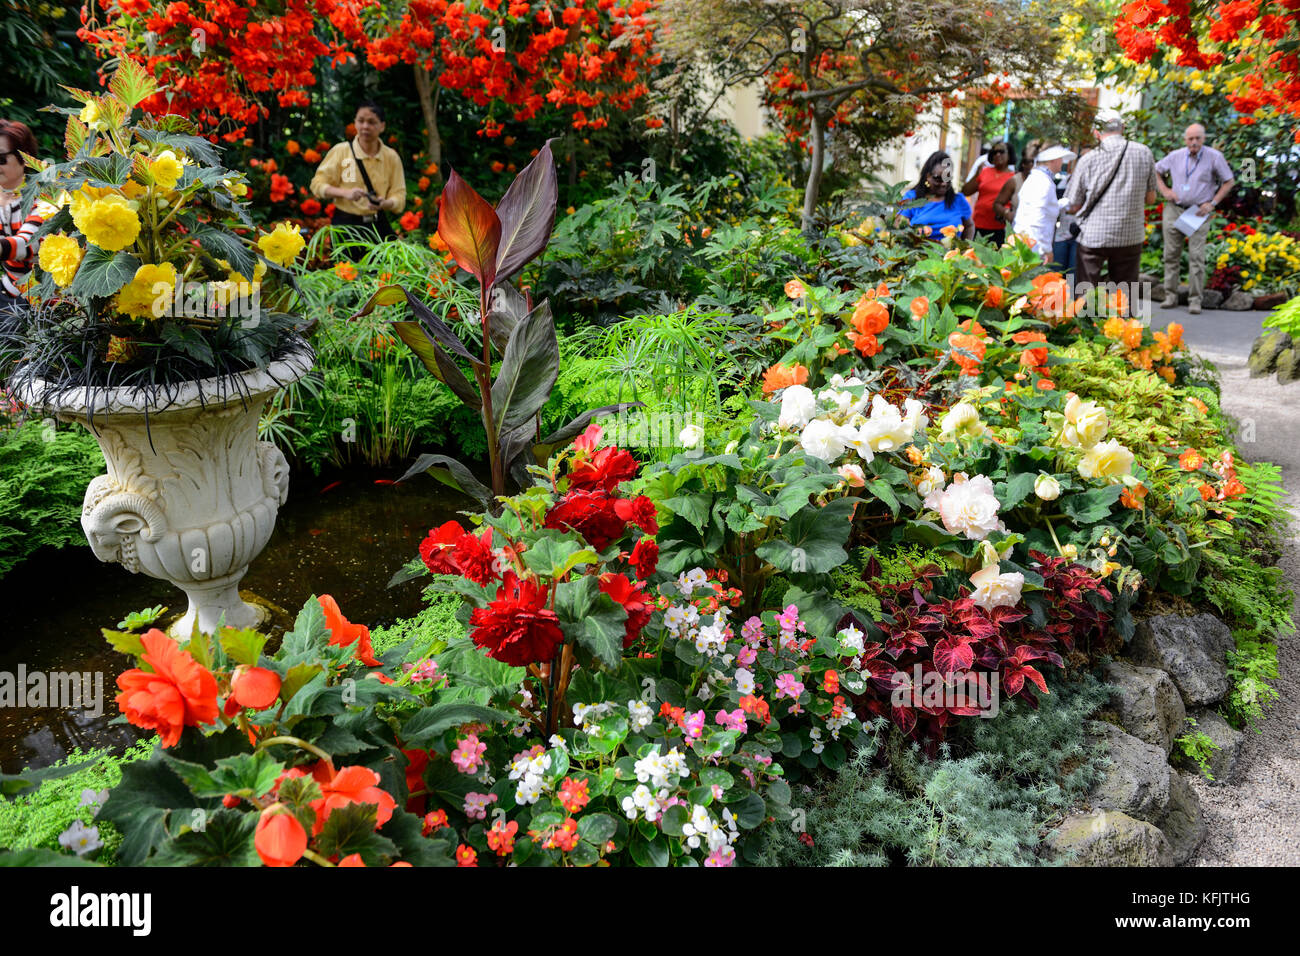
[90,115]
[108,222]
[147,294]
[60,257]
[1108,459]
[166,170]
[282,244]
[131,189]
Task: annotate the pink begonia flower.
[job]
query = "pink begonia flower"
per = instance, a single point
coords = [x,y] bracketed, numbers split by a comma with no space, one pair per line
[789,619]
[752,631]
[694,724]
[476,805]
[731,721]
[788,686]
[468,754]
[746,656]
[722,856]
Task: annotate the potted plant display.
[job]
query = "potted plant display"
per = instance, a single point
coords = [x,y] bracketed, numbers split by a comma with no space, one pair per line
[161,322]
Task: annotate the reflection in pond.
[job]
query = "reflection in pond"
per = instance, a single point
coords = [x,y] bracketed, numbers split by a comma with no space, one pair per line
[344,536]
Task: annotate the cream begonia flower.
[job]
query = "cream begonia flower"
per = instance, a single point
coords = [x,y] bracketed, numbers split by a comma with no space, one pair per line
[147,294]
[961,421]
[1085,423]
[1109,460]
[60,256]
[991,589]
[1047,488]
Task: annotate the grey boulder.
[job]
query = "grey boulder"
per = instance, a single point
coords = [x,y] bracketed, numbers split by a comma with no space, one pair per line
[1109,838]
[1192,649]
[1149,705]
[1137,780]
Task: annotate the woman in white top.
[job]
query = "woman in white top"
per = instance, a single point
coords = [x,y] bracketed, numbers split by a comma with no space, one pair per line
[1038,209]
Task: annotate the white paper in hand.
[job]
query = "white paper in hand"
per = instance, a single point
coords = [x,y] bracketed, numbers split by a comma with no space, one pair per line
[1190,221]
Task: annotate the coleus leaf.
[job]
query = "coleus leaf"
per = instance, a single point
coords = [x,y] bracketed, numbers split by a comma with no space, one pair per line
[470,227]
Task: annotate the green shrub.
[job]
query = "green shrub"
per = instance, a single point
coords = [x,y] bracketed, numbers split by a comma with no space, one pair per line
[1197,747]
[1019,772]
[435,625]
[43,477]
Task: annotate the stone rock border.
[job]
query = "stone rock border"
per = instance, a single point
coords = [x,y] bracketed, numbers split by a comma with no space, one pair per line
[1275,352]
[1144,812]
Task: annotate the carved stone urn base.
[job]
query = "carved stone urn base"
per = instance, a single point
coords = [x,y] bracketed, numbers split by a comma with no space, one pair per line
[191,494]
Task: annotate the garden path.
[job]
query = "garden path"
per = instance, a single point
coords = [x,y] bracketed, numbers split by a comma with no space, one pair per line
[1257,822]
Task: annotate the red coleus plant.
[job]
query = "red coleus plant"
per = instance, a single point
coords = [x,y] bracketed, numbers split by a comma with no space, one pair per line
[934,643]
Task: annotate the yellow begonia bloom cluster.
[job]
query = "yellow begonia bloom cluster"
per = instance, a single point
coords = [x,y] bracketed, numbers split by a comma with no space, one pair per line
[60,257]
[1108,459]
[166,170]
[105,217]
[282,244]
[152,285]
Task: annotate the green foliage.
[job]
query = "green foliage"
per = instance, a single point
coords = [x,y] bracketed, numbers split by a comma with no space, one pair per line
[1250,667]
[896,565]
[1198,747]
[1286,317]
[44,472]
[35,819]
[982,804]
[430,631]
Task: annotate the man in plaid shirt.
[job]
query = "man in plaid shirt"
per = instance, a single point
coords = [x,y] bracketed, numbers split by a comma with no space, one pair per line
[1112,223]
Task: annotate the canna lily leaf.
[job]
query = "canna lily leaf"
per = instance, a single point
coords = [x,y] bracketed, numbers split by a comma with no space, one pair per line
[470,227]
[440,365]
[527,213]
[529,368]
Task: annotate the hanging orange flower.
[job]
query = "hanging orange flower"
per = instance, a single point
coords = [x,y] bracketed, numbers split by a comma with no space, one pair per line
[794,289]
[1190,460]
[870,317]
[865,343]
[311,156]
[994,296]
[920,307]
[1133,497]
[782,376]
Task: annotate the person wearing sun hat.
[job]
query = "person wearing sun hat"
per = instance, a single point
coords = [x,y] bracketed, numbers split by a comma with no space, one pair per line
[1109,191]
[1038,209]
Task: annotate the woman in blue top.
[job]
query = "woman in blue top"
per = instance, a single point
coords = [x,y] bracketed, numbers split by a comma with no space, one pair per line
[941,205]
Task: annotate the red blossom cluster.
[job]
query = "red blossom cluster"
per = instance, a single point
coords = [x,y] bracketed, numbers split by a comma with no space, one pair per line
[219,58]
[1272,80]
[520,626]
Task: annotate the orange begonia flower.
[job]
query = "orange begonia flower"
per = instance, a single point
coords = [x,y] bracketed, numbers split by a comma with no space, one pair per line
[280,839]
[343,633]
[1133,497]
[870,317]
[349,785]
[781,376]
[793,289]
[920,307]
[254,687]
[179,692]
[1190,460]
[994,296]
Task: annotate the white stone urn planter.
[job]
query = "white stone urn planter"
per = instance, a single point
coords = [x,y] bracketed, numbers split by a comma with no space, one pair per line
[191,495]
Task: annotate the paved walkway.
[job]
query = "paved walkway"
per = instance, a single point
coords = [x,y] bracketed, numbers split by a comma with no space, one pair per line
[1257,822]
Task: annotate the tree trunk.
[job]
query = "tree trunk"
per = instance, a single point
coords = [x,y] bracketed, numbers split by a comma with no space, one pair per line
[812,189]
[429,107]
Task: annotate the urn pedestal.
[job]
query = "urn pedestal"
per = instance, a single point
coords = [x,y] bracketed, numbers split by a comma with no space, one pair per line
[191,494]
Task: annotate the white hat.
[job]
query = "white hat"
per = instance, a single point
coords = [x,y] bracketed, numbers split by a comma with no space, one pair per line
[1053,152]
[1108,121]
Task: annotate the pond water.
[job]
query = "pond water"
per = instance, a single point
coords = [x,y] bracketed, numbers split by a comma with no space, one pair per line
[343,535]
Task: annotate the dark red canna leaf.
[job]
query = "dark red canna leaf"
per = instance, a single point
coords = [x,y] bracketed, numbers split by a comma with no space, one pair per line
[470,227]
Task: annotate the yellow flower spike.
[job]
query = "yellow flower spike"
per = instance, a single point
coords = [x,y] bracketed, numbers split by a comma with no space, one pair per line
[60,256]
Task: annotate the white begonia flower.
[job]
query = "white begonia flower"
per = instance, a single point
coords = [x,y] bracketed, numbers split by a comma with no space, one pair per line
[1070,552]
[969,506]
[931,484]
[961,421]
[639,715]
[824,439]
[1047,487]
[914,417]
[1085,423]
[851,641]
[991,589]
[744,681]
[690,436]
[798,407]
[712,638]
[1109,460]
[886,429]
[688,581]
[80,839]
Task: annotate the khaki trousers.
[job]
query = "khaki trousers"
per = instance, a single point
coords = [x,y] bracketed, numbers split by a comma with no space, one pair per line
[1174,240]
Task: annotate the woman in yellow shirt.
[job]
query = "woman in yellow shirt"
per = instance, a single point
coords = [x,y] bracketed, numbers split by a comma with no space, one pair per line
[363,177]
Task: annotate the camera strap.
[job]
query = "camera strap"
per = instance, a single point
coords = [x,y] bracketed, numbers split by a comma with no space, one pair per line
[365,176]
